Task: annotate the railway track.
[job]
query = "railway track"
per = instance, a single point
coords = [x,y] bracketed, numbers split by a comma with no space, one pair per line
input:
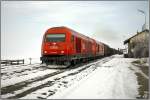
[57,78]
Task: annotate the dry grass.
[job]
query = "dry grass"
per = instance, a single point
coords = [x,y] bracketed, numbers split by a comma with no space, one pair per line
[142,81]
[143,89]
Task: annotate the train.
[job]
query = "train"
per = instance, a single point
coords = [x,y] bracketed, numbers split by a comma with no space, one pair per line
[64,46]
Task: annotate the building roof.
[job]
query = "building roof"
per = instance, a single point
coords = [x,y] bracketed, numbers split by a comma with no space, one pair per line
[126,41]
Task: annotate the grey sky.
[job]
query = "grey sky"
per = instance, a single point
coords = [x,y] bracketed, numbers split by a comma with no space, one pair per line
[23,23]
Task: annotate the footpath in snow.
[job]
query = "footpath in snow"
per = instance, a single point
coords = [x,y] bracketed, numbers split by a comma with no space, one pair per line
[111,80]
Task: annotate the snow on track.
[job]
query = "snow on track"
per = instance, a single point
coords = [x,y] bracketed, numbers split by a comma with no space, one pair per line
[15,80]
[31,85]
[111,80]
[61,81]
[65,80]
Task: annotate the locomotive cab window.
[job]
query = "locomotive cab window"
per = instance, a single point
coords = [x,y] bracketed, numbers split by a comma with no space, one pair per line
[55,37]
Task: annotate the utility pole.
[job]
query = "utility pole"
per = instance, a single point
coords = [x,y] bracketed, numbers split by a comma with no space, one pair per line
[144,26]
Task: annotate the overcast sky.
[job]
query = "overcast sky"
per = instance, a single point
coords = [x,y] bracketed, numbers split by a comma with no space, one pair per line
[23,23]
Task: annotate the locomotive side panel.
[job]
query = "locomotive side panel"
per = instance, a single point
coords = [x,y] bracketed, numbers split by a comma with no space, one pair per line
[84,46]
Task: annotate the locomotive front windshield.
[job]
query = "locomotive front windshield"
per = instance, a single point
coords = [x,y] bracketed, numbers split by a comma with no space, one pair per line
[55,37]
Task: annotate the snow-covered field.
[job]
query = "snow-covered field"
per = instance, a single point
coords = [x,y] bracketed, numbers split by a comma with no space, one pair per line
[106,78]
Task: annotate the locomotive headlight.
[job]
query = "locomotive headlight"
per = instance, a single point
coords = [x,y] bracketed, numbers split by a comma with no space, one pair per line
[62,51]
[45,51]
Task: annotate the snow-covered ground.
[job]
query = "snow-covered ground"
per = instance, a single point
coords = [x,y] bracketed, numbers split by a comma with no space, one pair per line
[107,78]
[111,80]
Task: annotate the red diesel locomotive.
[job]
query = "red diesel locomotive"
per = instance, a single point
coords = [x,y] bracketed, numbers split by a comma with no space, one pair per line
[62,45]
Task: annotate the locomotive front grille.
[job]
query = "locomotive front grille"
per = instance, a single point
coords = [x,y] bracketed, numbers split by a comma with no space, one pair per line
[54,58]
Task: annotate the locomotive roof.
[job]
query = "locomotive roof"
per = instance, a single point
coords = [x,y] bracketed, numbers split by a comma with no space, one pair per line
[79,34]
[75,33]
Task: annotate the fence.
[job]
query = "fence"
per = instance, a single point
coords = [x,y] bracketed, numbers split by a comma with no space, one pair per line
[20,61]
[12,62]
